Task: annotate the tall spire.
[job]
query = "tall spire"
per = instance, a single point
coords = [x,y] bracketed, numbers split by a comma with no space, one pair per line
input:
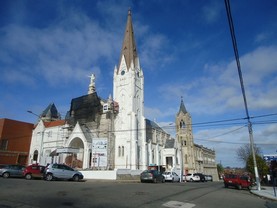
[129,49]
[182,107]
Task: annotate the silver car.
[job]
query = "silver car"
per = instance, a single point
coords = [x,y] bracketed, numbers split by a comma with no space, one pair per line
[61,171]
[171,176]
[7,171]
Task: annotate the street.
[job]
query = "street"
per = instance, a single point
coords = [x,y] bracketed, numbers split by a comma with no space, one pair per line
[92,193]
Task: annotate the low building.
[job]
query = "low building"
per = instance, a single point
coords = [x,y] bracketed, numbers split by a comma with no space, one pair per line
[15,139]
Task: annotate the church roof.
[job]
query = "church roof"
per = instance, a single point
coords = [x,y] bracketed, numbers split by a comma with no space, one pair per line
[54,123]
[85,108]
[169,143]
[50,113]
[153,125]
[182,107]
[129,49]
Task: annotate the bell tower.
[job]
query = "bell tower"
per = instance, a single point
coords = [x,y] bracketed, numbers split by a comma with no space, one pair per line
[185,138]
[128,92]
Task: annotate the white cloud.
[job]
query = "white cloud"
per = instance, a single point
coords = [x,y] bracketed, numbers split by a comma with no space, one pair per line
[60,53]
[218,90]
[211,12]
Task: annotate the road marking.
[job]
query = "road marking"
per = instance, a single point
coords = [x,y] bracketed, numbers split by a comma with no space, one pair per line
[177,204]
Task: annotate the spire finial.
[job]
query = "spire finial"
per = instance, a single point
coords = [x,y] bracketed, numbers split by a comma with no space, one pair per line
[182,106]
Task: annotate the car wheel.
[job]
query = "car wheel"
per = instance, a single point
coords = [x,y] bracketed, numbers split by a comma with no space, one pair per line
[172,180]
[141,181]
[28,176]
[191,180]
[163,180]
[49,177]
[76,178]
[155,180]
[239,187]
[6,175]
[226,186]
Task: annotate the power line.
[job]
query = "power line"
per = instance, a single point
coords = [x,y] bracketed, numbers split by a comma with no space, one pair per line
[234,42]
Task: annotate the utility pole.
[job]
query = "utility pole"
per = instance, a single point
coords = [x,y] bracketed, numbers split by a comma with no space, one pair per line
[232,30]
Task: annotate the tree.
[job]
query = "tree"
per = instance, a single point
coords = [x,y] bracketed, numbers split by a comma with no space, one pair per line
[220,169]
[244,152]
[263,168]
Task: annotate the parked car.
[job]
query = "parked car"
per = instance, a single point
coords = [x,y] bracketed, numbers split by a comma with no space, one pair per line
[238,181]
[61,171]
[7,171]
[190,177]
[33,171]
[171,176]
[153,176]
[209,177]
[201,176]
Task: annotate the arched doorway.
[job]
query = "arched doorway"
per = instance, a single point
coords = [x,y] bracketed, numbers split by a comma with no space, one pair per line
[75,160]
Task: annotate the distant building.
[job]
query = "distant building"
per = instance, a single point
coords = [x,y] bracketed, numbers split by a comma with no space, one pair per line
[196,158]
[15,139]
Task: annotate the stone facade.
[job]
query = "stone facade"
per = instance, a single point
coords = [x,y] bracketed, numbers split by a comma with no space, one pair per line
[196,158]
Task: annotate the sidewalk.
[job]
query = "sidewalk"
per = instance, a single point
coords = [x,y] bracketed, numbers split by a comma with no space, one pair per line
[266,192]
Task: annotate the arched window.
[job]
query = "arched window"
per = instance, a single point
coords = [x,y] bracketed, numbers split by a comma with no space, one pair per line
[119,151]
[122,148]
[182,124]
[35,156]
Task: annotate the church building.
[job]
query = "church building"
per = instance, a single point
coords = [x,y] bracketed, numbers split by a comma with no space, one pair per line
[112,133]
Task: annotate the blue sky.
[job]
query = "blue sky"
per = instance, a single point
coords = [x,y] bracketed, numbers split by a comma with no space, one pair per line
[49,48]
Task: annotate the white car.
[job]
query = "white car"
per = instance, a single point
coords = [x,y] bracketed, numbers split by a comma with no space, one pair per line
[192,177]
[171,176]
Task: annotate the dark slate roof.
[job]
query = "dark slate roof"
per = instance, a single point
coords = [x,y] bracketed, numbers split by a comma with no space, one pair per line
[169,143]
[50,112]
[182,107]
[152,124]
[85,108]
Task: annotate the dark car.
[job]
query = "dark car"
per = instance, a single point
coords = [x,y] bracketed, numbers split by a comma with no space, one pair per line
[7,171]
[201,176]
[209,178]
[153,176]
[33,171]
[61,171]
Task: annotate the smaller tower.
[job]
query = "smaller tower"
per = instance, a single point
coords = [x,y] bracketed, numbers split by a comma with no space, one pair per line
[185,138]
[50,113]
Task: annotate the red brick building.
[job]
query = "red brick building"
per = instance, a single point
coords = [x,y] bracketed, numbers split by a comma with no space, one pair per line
[15,139]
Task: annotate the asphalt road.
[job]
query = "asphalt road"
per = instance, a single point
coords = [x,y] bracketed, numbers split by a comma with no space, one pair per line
[39,193]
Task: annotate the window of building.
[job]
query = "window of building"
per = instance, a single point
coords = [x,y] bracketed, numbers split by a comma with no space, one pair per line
[4,144]
[35,156]
[122,149]
[119,151]
[182,124]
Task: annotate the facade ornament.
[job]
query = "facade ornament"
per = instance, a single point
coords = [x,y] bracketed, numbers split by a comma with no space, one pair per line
[91,88]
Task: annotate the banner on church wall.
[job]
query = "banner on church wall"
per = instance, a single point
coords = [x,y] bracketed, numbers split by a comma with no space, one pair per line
[99,152]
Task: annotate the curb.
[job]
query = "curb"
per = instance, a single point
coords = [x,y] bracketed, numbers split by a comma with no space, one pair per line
[263,193]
